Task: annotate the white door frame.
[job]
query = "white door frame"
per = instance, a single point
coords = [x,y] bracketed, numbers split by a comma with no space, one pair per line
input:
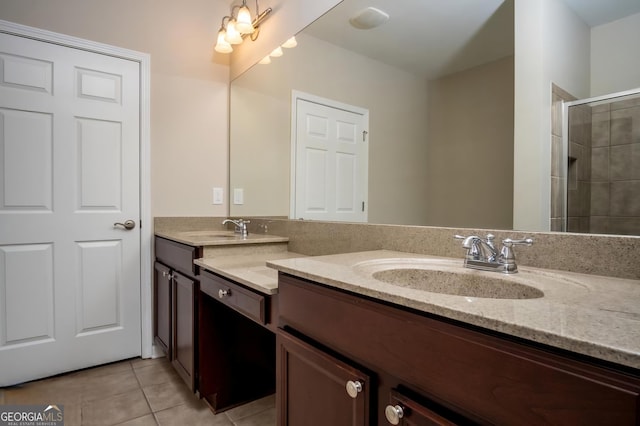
[146,223]
[295,95]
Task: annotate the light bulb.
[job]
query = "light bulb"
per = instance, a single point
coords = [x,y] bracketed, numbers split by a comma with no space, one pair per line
[222,46]
[265,61]
[244,21]
[277,52]
[233,36]
[290,43]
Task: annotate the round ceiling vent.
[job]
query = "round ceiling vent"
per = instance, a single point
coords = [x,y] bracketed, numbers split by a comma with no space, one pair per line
[369,18]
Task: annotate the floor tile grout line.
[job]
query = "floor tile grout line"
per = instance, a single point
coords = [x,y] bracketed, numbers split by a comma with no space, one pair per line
[155,418]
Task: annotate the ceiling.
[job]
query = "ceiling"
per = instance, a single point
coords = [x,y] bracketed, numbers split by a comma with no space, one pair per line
[426,37]
[433,38]
[598,12]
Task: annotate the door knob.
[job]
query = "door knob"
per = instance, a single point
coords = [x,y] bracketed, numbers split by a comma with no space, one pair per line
[128,224]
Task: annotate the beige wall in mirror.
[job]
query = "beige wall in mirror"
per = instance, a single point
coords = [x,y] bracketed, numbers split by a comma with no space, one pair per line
[468,148]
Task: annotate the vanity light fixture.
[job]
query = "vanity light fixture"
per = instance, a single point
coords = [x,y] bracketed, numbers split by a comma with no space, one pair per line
[290,43]
[234,28]
[233,36]
[277,52]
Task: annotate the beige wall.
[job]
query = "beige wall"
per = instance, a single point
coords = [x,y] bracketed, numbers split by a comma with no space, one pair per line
[188,87]
[470,167]
[615,56]
[551,46]
[396,101]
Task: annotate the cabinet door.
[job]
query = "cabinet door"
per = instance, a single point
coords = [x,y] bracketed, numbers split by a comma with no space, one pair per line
[183,314]
[162,307]
[315,388]
[405,411]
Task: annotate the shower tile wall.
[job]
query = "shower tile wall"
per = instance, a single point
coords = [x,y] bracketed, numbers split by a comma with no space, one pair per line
[603,181]
[579,174]
[615,191]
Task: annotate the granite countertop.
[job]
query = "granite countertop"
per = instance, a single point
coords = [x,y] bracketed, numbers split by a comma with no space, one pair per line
[250,269]
[218,238]
[587,314]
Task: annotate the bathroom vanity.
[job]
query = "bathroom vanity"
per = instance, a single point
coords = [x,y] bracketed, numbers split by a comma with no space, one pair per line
[368,338]
[215,311]
[353,350]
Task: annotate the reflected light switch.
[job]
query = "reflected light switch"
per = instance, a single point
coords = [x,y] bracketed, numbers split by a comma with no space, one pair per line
[238,196]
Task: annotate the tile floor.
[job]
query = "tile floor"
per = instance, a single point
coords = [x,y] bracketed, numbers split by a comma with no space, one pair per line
[135,392]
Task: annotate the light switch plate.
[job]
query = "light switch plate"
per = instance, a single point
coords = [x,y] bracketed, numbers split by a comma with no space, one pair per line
[238,196]
[218,195]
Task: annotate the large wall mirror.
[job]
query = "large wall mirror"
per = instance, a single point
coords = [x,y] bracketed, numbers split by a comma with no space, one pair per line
[437,79]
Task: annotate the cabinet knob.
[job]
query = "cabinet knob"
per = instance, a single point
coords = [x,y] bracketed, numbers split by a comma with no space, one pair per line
[394,413]
[353,388]
[223,293]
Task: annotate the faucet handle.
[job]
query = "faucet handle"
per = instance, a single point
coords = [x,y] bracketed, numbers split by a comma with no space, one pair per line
[490,238]
[508,242]
[507,254]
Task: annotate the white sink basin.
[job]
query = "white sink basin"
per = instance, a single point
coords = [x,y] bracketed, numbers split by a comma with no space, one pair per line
[448,276]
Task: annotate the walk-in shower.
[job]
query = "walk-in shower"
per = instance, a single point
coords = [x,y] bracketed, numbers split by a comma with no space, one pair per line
[601,173]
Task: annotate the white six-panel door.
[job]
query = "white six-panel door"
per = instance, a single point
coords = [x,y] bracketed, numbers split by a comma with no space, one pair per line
[330,181]
[69,170]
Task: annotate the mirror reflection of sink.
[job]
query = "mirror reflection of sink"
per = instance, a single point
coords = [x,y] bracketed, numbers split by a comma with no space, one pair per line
[207,235]
[457,284]
[447,276]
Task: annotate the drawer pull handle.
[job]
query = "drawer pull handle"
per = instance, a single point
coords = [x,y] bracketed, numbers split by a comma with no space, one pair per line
[353,388]
[394,413]
[224,293]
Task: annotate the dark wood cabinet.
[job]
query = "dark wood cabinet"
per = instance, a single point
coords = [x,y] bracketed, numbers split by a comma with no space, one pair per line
[162,310]
[406,411]
[176,288]
[184,311]
[444,372]
[236,343]
[319,388]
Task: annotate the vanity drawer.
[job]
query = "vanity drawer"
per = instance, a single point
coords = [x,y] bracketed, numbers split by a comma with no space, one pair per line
[241,299]
[178,256]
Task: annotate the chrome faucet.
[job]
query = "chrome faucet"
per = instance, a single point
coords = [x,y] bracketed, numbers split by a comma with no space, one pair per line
[241,226]
[482,253]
